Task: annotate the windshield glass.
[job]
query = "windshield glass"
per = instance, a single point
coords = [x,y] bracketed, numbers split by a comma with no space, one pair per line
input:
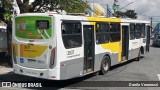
[33,27]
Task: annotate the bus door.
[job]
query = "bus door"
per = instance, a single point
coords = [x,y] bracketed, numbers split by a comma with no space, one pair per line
[125,42]
[148,38]
[89,48]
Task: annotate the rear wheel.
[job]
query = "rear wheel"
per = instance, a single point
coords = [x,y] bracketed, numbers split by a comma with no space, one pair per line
[105,65]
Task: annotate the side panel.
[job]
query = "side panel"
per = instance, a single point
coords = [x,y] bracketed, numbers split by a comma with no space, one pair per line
[134,48]
[71,68]
[133,53]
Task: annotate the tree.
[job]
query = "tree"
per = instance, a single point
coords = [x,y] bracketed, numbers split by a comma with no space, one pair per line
[128,13]
[120,14]
[71,6]
[131,14]
[6,10]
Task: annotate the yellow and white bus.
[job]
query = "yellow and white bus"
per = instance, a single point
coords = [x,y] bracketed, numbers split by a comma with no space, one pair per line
[58,47]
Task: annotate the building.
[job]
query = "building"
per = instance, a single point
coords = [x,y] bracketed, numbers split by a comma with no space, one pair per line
[97,9]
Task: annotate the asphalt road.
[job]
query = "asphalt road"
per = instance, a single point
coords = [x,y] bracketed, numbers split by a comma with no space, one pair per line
[144,70]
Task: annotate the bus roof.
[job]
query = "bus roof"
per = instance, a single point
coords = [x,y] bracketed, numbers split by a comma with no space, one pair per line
[72,17]
[128,20]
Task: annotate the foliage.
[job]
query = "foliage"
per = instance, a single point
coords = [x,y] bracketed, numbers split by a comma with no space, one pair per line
[131,14]
[6,10]
[128,13]
[71,6]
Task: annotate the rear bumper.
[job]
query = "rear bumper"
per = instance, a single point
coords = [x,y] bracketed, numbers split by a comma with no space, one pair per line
[38,73]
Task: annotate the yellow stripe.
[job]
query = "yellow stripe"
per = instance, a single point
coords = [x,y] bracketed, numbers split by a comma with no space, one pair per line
[113,47]
[103,19]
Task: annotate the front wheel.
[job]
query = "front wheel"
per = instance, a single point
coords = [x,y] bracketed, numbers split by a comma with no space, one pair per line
[105,65]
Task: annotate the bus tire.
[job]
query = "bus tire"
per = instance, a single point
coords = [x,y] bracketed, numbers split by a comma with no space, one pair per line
[105,65]
[139,56]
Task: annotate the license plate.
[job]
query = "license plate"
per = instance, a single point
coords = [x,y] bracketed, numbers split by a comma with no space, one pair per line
[31,73]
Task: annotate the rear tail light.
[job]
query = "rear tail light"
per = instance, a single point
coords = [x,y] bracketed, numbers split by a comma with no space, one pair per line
[14,55]
[52,60]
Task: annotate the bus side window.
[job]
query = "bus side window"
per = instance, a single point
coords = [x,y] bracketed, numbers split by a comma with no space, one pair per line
[102,32]
[143,30]
[132,31]
[115,35]
[71,34]
[138,31]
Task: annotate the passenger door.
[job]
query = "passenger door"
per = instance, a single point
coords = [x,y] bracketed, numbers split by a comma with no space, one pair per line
[89,48]
[125,42]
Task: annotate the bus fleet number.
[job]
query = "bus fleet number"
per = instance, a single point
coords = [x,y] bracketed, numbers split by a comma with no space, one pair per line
[70,52]
[27,47]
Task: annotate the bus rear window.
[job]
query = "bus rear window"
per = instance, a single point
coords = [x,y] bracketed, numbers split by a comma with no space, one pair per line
[33,27]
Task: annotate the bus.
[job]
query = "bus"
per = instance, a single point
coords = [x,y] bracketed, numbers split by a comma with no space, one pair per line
[60,47]
[156,38]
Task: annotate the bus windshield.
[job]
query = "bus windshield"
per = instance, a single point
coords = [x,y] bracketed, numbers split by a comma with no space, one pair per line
[33,27]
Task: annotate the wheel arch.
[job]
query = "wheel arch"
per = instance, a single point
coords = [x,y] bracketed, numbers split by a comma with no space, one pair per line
[108,55]
[102,70]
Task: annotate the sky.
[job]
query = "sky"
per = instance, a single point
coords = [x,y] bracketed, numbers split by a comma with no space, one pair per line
[144,8]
